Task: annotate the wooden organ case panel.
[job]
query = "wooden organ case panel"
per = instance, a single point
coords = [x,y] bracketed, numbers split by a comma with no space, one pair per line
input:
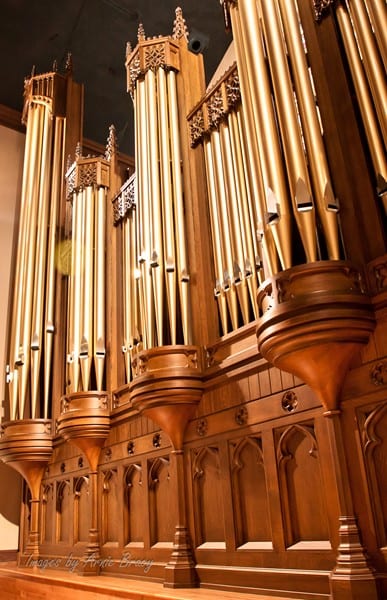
[219,363]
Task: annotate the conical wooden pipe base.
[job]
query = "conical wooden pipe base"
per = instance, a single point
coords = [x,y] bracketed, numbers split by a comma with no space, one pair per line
[168,387]
[314,318]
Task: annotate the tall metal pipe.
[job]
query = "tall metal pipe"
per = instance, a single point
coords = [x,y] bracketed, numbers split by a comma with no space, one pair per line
[298,176]
[99,336]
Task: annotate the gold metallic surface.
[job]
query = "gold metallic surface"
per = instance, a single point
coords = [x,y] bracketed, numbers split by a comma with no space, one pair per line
[310,123]
[57,169]
[257,101]
[225,231]
[216,236]
[29,263]
[371,60]
[363,93]
[86,332]
[36,343]
[99,286]
[169,263]
[156,257]
[289,127]
[180,239]
[377,11]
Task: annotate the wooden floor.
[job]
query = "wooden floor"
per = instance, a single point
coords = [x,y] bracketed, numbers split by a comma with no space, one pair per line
[34,584]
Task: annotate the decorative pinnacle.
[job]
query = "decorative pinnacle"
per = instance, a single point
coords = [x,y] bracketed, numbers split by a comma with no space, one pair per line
[68,163]
[33,71]
[180,29]
[129,49]
[78,150]
[69,63]
[111,146]
[55,66]
[141,33]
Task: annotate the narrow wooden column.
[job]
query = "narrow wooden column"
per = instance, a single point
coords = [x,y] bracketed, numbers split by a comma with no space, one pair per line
[180,571]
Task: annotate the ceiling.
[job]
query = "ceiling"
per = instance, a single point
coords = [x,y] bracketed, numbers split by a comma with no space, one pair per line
[96,33]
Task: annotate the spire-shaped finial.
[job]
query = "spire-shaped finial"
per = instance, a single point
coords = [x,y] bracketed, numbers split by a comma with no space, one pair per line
[68,163]
[33,71]
[141,33]
[55,66]
[129,49]
[69,64]
[78,150]
[180,29]
[111,146]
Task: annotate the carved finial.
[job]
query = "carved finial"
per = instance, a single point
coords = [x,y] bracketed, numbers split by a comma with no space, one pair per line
[69,63]
[33,71]
[111,146]
[141,33]
[129,49]
[180,29]
[68,164]
[78,150]
[55,66]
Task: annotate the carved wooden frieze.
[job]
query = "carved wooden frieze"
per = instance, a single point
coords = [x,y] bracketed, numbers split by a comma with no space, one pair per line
[321,6]
[125,200]
[222,99]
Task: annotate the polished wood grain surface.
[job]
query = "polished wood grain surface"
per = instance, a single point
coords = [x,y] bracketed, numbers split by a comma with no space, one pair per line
[44,585]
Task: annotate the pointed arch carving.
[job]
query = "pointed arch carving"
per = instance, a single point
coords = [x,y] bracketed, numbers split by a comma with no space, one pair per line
[134,505]
[301,485]
[161,495]
[63,511]
[47,514]
[249,489]
[81,509]
[374,439]
[208,496]
[110,508]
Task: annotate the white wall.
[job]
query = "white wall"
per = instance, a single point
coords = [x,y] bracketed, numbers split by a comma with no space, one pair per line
[11,165]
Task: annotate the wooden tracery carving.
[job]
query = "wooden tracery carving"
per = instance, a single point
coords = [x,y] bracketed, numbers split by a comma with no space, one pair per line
[110,506]
[63,511]
[301,486]
[162,522]
[47,513]
[249,491]
[82,511]
[133,505]
[374,438]
[208,495]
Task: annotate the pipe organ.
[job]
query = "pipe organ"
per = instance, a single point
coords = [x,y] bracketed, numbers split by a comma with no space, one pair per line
[210,334]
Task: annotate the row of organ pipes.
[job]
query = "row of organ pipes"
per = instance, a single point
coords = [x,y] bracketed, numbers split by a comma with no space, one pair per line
[268,184]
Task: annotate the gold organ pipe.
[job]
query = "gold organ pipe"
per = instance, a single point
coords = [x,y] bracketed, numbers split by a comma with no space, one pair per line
[52,239]
[311,127]
[17,305]
[99,286]
[249,135]
[135,318]
[71,288]
[77,287]
[86,332]
[29,264]
[167,201]
[377,12]
[254,217]
[370,122]
[36,334]
[145,221]
[127,285]
[290,130]
[226,236]
[261,118]
[156,248]
[246,216]
[182,260]
[216,242]
[371,60]
[233,213]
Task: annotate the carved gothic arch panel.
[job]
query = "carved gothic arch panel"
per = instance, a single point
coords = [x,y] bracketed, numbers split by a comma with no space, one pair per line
[301,487]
